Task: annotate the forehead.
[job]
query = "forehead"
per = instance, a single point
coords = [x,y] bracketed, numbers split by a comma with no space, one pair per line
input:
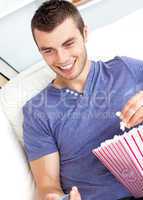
[59,35]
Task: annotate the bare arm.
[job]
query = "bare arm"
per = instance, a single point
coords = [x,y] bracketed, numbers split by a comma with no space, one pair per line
[46,174]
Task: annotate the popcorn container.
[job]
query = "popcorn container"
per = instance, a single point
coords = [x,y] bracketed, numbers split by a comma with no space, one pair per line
[123,156]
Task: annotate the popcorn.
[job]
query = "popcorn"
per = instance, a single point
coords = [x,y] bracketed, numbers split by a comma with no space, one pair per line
[118,114]
[122,124]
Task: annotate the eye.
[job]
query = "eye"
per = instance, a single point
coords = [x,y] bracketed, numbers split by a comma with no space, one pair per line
[69,44]
[49,51]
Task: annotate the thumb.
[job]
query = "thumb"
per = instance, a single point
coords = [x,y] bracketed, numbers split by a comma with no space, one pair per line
[74,194]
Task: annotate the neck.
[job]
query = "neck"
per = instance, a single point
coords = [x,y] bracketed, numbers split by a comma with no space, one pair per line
[75,84]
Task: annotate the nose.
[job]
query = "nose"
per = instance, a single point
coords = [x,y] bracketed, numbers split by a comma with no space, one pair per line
[62,56]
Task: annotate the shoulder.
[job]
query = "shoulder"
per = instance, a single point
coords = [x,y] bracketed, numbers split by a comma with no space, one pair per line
[35,98]
[130,61]
[44,104]
[123,66]
[124,61]
[114,66]
[37,103]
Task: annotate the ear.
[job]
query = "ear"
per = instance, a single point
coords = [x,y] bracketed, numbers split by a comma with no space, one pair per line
[85,33]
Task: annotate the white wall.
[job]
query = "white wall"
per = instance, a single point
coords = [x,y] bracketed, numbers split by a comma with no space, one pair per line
[16,43]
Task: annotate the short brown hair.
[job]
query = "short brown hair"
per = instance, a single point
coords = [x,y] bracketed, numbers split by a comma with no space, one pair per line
[52,13]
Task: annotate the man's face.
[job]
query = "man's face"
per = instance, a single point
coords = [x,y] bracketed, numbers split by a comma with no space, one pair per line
[63,49]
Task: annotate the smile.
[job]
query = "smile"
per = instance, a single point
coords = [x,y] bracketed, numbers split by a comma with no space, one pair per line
[68,67]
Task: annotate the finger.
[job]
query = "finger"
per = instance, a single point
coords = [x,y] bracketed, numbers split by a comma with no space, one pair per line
[74,194]
[52,196]
[137,118]
[132,106]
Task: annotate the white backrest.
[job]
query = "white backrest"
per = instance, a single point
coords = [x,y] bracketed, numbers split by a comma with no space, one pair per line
[19,90]
[16,179]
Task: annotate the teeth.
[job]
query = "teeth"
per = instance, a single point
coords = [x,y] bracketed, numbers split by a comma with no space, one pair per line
[66,67]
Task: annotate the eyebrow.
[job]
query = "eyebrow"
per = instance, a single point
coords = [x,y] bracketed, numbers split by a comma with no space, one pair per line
[48,48]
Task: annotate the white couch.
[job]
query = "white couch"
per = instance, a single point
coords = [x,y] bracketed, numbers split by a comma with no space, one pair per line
[121,38]
[16,179]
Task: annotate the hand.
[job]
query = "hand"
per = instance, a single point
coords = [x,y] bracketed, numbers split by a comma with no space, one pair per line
[74,195]
[132,113]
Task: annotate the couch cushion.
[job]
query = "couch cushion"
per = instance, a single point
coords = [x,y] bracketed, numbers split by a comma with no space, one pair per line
[15,176]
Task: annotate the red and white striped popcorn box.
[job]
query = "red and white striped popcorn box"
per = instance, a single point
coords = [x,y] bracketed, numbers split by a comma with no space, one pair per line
[123,156]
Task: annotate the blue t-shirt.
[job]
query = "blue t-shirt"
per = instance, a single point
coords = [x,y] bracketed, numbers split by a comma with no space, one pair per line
[73,123]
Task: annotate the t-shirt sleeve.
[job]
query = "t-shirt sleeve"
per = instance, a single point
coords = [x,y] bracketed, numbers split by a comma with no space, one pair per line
[135,66]
[37,134]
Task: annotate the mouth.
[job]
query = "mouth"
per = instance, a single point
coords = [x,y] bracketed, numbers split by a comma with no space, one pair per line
[67,68]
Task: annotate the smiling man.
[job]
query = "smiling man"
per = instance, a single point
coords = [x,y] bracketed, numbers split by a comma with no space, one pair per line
[64,51]
[76,111]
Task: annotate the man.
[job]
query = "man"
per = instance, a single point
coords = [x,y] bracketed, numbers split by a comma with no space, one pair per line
[76,112]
